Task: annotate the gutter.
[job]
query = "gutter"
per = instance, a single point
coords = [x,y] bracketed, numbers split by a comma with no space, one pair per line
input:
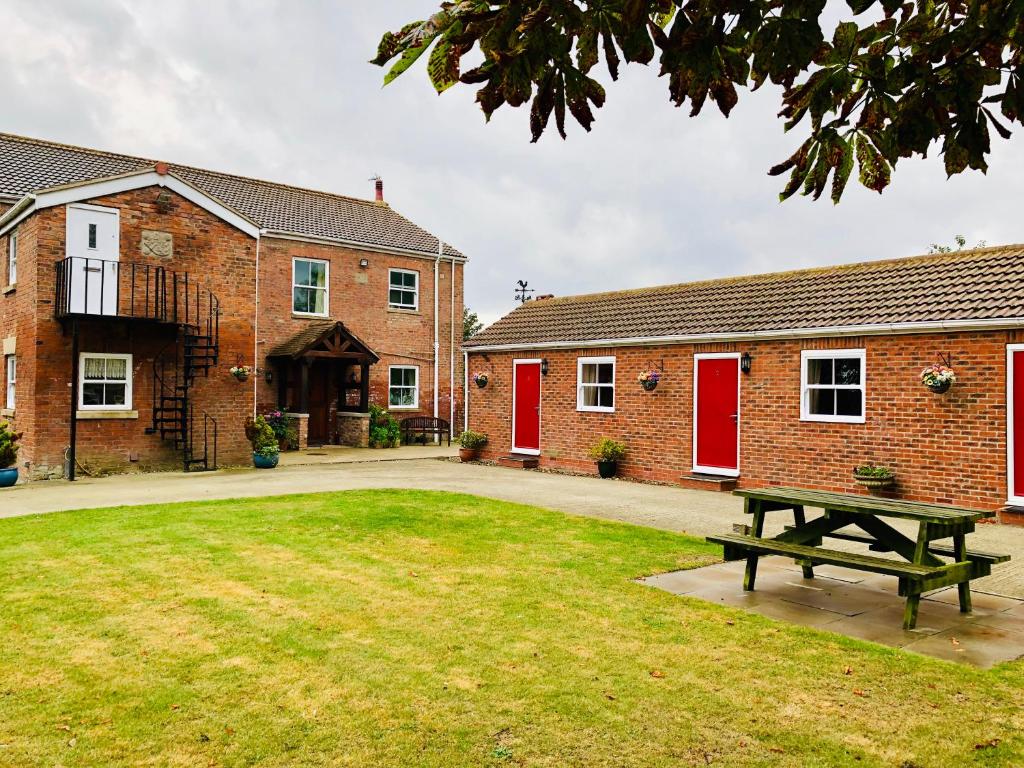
[879,329]
[372,247]
[13,217]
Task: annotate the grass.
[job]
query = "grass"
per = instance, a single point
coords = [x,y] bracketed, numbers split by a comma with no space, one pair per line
[400,628]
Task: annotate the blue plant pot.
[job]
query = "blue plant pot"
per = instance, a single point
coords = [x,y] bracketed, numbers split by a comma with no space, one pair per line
[265,462]
[8,477]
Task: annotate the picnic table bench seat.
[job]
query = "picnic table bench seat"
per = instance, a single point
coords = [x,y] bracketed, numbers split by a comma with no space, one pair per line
[921,570]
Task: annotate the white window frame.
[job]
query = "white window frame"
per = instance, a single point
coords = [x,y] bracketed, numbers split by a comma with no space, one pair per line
[326,289]
[805,389]
[129,376]
[10,380]
[580,362]
[415,390]
[12,257]
[415,290]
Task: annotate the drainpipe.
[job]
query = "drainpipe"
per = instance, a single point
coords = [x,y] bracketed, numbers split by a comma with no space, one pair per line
[437,341]
[465,391]
[451,355]
[256,335]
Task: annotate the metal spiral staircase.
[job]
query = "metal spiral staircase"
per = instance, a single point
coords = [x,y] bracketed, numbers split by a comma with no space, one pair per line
[193,352]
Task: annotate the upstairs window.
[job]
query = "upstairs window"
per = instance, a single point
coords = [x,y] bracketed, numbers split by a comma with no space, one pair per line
[403,289]
[10,377]
[403,389]
[12,258]
[106,382]
[309,287]
[595,384]
[833,385]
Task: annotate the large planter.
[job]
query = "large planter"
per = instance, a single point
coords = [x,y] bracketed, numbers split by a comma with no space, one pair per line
[940,388]
[469,454]
[607,469]
[8,477]
[875,483]
[265,462]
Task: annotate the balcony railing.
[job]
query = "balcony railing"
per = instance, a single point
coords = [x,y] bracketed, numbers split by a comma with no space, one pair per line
[86,287]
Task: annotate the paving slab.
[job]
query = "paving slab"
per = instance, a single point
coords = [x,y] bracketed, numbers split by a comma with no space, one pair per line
[866,610]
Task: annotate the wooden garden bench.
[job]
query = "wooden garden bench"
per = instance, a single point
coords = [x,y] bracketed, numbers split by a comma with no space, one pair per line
[921,569]
[425,425]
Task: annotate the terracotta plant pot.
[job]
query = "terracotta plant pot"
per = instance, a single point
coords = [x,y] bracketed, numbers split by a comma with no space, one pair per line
[8,477]
[265,462]
[940,388]
[607,469]
[469,454]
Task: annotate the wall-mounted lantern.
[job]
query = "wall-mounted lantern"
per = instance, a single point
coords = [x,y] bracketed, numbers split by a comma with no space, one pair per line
[268,375]
[364,263]
[745,361]
[544,367]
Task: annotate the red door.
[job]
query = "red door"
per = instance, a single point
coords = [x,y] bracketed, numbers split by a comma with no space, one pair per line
[717,412]
[526,407]
[1017,425]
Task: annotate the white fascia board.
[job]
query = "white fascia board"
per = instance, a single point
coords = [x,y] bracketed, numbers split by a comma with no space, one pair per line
[128,182]
[21,211]
[371,247]
[884,329]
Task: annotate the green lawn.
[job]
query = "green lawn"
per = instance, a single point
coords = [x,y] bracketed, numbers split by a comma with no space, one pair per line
[396,628]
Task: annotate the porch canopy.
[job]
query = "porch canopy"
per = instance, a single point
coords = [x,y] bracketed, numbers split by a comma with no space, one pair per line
[332,350]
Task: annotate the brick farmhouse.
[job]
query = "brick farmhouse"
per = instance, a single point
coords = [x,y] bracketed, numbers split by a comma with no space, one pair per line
[792,378]
[131,288]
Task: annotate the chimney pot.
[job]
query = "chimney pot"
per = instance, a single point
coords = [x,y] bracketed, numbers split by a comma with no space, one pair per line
[378,184]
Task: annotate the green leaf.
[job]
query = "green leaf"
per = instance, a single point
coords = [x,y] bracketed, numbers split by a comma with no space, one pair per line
[408,59]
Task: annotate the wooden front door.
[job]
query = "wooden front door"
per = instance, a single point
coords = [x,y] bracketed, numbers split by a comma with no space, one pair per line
[320,403]
[1015,423]
[716,429]
[526,406]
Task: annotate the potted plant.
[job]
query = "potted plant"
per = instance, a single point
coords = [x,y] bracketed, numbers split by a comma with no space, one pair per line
[874,477]
[938,378]
[265,450]
[385,431]
[284,430]
[608,453]
[241,372]
[480,379]
[470,443]
[8,455]
[649,380]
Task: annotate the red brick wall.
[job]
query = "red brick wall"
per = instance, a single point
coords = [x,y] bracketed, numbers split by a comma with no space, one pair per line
[359,298]
[945,448]
[222,259]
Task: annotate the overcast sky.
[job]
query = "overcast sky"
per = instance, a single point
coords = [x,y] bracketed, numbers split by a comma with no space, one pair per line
[282,90]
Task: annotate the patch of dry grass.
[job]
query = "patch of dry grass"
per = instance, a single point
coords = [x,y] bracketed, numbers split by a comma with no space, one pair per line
[412,628]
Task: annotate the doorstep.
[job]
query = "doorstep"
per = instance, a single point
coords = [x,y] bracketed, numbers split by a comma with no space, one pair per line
[519,461]
[1011,515]
[696,481]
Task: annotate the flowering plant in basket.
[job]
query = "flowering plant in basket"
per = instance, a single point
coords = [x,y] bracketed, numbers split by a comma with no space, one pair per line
[938,378]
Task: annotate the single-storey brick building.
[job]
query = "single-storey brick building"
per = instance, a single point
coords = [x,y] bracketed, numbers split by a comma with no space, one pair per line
[130,288]
[792,378]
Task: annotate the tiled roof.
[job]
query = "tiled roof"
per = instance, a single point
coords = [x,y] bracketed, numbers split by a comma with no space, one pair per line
[313,333]
[30,165]
[986,283]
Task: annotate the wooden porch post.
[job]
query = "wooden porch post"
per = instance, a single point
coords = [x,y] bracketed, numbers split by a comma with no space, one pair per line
[364,386]
[283,373]
[304,385]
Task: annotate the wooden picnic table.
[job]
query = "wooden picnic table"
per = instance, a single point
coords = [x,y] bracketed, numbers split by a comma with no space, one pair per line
[922,568]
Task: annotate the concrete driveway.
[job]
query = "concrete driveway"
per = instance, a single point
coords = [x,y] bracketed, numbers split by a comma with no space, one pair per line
[676,509]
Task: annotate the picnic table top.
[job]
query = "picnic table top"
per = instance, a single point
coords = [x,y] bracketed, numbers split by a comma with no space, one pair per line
[858,504]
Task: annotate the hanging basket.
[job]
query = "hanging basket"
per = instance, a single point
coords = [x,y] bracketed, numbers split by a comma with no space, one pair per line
[940,387]
[481,380]
[649,385]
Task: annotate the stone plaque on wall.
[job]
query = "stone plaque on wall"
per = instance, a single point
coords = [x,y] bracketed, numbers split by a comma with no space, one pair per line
[157,244]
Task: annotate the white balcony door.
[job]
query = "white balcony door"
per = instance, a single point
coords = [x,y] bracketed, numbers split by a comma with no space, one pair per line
[93,247]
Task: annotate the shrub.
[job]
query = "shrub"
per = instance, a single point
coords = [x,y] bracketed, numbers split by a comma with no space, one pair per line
[261,436]
[874,472]
[608,450]
[284,430]
[471,440]
[385,431]
[8,446]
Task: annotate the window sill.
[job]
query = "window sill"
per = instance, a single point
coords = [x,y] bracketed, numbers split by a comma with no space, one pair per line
[401,311]
[8,290]
[403,407]
[309,316]
[833,419]
[595,410]
[7,413]
[106,415]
